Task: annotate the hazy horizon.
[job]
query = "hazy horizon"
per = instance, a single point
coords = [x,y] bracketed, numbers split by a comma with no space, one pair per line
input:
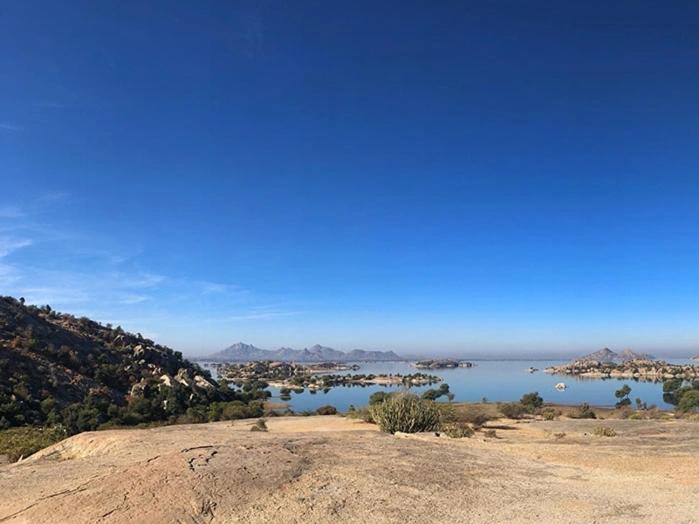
[452,179]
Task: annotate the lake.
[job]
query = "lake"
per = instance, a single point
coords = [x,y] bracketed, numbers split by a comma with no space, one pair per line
[495,380]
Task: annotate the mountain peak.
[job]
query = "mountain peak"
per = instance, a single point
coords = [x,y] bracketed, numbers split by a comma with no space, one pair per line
[607,355]
[317,353]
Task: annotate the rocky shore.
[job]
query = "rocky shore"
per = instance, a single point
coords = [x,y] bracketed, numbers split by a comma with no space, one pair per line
[314,376]
[646,370]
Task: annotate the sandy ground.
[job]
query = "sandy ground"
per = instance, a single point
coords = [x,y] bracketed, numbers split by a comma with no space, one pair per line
[330,469]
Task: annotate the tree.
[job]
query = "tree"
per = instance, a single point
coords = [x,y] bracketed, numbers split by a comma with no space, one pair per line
[623,395]
[531,401]
[689,400]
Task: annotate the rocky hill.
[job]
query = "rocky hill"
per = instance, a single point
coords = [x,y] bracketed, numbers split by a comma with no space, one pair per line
[607,355]
[51,361]
[242,352]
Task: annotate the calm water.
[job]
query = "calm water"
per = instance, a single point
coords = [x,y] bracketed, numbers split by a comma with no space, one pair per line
[494,380]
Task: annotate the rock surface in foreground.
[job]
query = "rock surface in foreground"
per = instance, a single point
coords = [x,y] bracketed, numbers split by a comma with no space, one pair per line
[329,469]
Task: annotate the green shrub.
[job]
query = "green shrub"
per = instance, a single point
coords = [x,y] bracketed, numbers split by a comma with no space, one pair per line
[689,401]
[260,425]
[405,412]
[326,410]
[513,410]
[378,397]
[531,401]
[456,430]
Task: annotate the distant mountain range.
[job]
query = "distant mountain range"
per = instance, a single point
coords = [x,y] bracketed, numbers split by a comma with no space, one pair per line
[247,352]
[607,355]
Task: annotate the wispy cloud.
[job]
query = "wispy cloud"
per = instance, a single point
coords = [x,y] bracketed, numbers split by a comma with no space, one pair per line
[130,299]
[5,126]
[10,245]
[79,274]
[263,313]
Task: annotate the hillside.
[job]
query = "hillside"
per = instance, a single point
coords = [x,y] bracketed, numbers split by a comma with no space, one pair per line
[55,368]
[241,352]
[332,469]
[607,355]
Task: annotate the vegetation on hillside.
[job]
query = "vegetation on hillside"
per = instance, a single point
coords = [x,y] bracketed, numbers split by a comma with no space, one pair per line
[57,369]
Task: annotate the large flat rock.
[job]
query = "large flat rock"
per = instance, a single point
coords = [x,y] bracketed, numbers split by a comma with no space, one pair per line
[330,469]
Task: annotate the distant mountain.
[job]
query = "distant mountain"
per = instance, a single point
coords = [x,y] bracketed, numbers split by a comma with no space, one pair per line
[246,352]
[603,355]
[607,355]
[627,354]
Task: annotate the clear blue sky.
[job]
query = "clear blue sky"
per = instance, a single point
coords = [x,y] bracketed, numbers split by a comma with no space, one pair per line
[499,177]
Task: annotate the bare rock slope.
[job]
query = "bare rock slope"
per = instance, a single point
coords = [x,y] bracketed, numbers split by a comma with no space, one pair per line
[330,469]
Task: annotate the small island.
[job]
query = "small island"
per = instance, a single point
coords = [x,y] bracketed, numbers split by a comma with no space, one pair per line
[314,376]
[645,370]
[445,363]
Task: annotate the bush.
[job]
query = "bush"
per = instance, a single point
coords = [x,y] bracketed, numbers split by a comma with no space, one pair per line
[604,431]
[689,401]
[531,402]
[512,410]
[550,413]
[583,411]
[326,410]
[378,397]
[260,425]
[405,412]
[473,415]
[456,430]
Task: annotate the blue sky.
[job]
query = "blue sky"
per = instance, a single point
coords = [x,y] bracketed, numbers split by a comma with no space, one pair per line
[502,178]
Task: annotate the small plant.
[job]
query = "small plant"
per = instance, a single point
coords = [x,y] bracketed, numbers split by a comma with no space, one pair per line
[456,430]
[361,414]
[559,435]
[473,415]
[326,410]
[260,425]
[583,411]
[513,410]
[604,431]
[550,413]
[405,412]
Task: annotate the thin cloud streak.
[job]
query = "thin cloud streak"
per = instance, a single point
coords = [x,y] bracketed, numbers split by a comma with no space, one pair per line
[10,245]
